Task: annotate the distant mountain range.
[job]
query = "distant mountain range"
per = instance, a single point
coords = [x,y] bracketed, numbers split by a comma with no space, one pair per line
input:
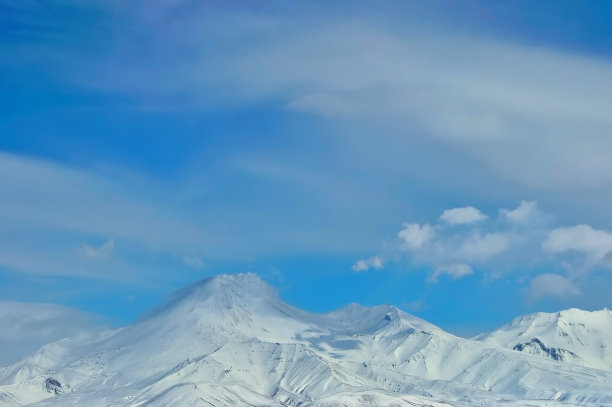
[229,341]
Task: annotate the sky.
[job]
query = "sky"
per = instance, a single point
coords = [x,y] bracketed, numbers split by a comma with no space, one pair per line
[454,160]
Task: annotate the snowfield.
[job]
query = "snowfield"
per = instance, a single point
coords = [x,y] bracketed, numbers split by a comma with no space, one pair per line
[229,341]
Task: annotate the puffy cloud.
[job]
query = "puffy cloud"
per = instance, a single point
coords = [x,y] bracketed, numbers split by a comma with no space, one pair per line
[455,271]
[100,252]
[462,216]
[367,264]
[448,251]
[525,212]
[414,236]
[594,243]
[479,247]
[455,251]
[552,285]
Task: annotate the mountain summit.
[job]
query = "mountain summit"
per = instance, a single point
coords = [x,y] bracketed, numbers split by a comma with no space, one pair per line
[229,340]
[574,336]
[228,285]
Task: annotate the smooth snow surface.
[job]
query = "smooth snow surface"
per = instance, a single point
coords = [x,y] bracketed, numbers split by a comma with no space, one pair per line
[229,341]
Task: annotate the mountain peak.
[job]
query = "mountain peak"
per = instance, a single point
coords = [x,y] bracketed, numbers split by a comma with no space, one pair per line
[218,293]
[248,279]
[228,285]
[572,335]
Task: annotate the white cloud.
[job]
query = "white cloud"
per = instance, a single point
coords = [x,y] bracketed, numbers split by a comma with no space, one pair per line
[478,247]
[455,271]
[100,252]
[193,260]
[48,209]
[455,251]
[462,216]
[367,264]
[414,236]
[552,285]
[524,213]
[503,104]
[594,243]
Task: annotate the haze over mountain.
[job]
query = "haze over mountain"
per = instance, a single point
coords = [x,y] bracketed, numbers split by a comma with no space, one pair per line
[25,327]
[229,340]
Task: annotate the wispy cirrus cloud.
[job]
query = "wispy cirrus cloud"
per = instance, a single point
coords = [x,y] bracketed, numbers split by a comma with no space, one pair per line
[505,105]
[48,208]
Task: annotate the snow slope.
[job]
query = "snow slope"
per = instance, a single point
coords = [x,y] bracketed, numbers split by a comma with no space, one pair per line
[573,336]
[229,340]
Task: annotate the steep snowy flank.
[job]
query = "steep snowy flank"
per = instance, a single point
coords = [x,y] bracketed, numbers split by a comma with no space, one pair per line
[573,336]
[229,340]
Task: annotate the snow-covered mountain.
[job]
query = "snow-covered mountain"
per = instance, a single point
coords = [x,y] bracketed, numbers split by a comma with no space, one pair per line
[229,340]
[573,336]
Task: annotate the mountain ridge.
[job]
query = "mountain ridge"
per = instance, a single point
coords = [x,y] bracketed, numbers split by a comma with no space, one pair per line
[229,340]
[572,335]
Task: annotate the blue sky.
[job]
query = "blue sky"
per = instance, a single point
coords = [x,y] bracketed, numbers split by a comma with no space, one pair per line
[455,161]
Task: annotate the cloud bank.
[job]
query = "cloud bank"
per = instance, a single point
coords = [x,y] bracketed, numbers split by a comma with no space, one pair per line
[518,240]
